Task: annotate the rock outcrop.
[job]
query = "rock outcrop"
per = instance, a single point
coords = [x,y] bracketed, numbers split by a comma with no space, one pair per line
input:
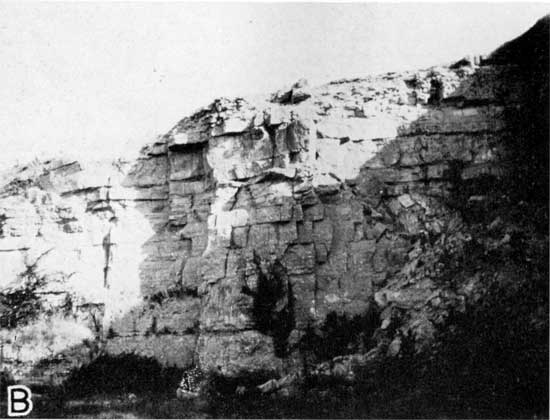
[236,235]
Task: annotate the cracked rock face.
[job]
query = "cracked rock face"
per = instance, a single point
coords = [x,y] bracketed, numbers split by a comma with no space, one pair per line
[249,223]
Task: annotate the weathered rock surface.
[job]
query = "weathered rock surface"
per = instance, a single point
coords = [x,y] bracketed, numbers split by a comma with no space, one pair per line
[249,223]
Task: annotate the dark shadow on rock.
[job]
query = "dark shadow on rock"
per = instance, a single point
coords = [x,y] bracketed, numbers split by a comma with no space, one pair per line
[273,307]
[490,359]
[339,335]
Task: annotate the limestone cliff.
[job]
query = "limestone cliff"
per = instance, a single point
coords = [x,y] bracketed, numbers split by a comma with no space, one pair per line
[239,235]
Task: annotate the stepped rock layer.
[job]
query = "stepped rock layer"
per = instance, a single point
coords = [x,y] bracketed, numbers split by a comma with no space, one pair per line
[249,223]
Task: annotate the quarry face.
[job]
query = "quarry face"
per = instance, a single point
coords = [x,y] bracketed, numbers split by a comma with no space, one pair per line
[237,237]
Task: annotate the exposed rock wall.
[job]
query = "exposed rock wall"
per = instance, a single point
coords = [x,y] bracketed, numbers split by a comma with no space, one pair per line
[245,226]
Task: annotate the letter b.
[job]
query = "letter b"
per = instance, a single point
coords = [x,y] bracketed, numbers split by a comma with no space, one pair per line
[19,401]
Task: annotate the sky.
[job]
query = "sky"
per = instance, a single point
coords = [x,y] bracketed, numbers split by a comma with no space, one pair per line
[101,79]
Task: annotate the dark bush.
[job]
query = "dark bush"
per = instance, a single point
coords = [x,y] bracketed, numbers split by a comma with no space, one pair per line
[126,373]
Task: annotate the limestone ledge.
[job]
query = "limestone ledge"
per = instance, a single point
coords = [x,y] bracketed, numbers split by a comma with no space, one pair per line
[322,193]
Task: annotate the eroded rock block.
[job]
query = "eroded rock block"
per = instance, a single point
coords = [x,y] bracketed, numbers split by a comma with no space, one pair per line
[183,188]
[288,233]
[305,231]
[322,233]
[191,274]
[271,214]
[186,165]
[147,172]
[226,307]
[157,277]
[303,290]
[361,254]
[263,238]
[299,259]
[233,354]
[169,350]
[316,212]
[356,129]
[213,266]
[137,322]
[177,316]
[299,92]
[239,236]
